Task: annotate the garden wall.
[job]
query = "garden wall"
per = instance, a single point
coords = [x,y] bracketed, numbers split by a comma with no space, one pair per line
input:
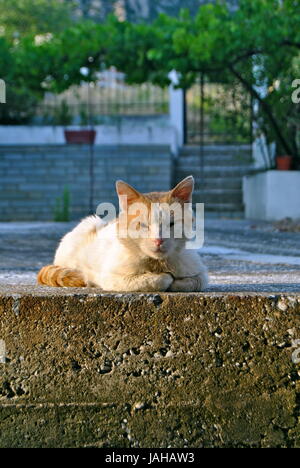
[33,177]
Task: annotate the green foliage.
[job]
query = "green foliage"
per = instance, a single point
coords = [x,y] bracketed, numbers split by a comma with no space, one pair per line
[84,115]
[24,24]
[227,111]
[20,108]
[59,115]
[229,114]
[62,207]
[255,45]
[21,101]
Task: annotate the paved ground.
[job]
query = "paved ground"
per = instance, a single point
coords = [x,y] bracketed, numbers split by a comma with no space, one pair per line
[241,255]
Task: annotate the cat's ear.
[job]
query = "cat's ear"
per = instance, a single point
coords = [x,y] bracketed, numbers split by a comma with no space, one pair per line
[184,190]
[124,189]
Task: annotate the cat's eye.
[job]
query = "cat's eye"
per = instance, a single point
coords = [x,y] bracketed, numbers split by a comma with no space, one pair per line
[142,226]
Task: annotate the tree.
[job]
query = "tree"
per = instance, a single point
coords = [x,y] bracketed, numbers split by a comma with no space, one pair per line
[222,42]
[232,44]
[21,100]
[21,19]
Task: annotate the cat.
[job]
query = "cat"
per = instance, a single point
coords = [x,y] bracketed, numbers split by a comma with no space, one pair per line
[94,254]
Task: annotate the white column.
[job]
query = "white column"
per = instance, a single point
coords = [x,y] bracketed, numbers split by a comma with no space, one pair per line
[176,109]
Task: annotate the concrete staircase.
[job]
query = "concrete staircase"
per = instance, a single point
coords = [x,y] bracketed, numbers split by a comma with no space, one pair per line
[218,175]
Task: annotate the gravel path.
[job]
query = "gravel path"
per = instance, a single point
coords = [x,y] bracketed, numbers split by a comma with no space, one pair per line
[241,255]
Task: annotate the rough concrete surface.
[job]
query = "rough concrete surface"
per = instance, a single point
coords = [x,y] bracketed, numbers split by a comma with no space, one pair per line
[146,370]
[89,369]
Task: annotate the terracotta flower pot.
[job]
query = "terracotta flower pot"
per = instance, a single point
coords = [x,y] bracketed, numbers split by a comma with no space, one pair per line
[79,137]
[284,163]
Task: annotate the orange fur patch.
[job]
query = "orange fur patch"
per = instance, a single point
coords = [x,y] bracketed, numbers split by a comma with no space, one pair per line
[56,276]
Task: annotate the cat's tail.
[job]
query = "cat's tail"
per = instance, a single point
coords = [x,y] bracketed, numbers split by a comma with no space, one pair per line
[52,275]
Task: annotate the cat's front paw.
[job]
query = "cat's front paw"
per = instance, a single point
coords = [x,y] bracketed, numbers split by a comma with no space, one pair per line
[163,281]
[180,285]
[195,284]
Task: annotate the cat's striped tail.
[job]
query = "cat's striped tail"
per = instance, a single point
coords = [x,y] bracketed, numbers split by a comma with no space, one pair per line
[52,275]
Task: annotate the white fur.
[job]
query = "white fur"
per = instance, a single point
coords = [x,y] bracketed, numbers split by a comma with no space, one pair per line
[94,248]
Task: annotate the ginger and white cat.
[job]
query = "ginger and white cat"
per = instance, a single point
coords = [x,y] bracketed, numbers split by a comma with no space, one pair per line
[94,254]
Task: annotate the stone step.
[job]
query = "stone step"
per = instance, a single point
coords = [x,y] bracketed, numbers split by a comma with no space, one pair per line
[85,369]
[221,207]
[214,159]
[228,183]
[216,149]
[223,214]
[221,196]
[221,172]
[218,174]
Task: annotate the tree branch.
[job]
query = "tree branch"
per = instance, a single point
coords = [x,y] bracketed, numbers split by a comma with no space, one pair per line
[288,42]
[266,108]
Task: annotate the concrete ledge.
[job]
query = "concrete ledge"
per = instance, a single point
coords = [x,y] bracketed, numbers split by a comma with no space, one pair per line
[272,195]
[122,131]
[85,369]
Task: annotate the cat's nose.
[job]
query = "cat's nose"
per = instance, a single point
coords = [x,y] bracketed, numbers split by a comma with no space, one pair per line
[158,242]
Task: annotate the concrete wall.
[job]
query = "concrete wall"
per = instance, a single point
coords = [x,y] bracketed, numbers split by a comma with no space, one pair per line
[85,369]
[166,129]
[272,195]
[121,131]
[32,177]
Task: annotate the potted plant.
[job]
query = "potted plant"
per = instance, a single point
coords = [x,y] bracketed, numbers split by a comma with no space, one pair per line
[284,162]
[82,135]
[287,160]
[87,135]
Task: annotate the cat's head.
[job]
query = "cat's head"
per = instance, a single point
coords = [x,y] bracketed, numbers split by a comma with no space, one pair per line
[153,223]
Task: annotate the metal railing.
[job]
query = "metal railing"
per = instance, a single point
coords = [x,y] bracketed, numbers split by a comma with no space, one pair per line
[109,96]
[217,113]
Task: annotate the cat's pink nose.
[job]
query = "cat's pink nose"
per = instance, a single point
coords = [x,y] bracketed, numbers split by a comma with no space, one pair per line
[158,242]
